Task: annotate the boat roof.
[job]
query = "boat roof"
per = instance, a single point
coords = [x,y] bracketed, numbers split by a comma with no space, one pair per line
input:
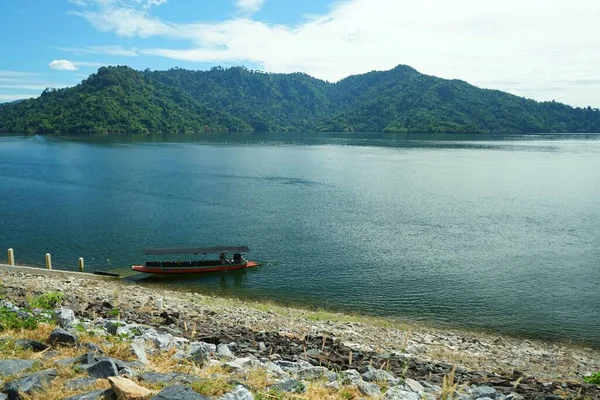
[199,250]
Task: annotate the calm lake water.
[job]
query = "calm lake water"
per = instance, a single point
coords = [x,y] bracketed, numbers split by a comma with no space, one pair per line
[484,232]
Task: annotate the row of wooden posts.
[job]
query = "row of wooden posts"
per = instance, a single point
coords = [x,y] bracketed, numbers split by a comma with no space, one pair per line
[11,260]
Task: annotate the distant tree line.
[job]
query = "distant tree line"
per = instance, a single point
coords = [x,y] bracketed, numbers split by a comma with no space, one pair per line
[118,100]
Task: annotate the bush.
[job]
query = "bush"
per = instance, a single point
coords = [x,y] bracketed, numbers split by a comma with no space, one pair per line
[48,301]
[10,319]
[594,378]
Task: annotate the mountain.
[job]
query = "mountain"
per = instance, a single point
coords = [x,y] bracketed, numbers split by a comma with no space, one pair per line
[122,100]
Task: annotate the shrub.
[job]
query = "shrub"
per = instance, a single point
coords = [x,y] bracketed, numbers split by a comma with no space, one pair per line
[48,301]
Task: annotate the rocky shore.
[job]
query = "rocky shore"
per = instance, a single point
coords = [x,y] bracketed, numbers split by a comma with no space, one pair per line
[119,340]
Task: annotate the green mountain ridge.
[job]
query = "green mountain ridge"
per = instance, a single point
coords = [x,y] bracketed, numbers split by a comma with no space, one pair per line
[119,100]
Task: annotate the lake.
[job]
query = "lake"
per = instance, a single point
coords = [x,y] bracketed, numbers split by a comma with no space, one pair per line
[497,233]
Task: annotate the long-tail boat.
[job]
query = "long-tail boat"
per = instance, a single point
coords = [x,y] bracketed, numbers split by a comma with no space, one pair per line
[193,260]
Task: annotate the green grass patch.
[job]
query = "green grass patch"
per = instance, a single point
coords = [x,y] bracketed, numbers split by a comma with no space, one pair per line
[593,379]
[11,320]
[47,301]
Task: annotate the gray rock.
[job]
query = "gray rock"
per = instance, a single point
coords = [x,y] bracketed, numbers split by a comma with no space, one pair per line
[94,395]
[398,393]
[94,348]
[138,348]
[224,352]
[350,377]
[3,396]
[169,378]
[379,375]
[431,388]
[112,326]
[66,361]
[29,383]
[483,391]
[413,386]
[12,367]
[239,393]
[64,317]
[162,341]
[514,396]
[232,366]
[178,392]
[199,352]
[103,369]
[335,385]
[29,344]
[274,368]
[288,366]
[85,359]
[60,336]
[80,383]
[248,362]
[313,373]
[369,389]
[262,346]
[290,386]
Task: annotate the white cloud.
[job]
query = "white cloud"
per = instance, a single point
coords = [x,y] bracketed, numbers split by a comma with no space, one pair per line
[249,6]
[15,96]
[537,48]
[112,50]
[64,65]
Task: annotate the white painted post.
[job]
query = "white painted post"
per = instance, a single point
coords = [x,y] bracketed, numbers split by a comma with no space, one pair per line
[80,264]
[11,257]
[48,261]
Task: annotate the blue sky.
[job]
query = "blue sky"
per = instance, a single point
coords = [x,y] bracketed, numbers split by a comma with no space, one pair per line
[541,49]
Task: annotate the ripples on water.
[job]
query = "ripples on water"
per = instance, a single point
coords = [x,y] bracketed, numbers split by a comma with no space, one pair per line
[485,232]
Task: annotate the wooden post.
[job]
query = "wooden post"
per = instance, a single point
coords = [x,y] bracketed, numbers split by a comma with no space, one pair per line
[48,261]
[11,257]
[80,264]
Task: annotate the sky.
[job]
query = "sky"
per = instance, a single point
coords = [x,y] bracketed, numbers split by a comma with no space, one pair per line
[540,49]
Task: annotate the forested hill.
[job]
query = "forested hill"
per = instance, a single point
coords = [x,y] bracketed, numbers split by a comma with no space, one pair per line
[123,100]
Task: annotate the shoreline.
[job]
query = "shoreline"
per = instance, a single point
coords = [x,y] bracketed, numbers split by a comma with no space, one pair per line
[213,315]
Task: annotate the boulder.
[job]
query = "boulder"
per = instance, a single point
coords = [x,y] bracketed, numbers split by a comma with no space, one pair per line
[29,383]
[290,386]
[168,378]
[483,391]
[162,341]
[29,344]
[398,393]
[378,375]
[64,317]
[369,389]
[12,367]
[138,348]
[178,392]
[239,393]
[224,352]
[200,352]
[350,377]
[103,369]
[126,389]
[413,386]
[314,373]
[80,383]
[60,336]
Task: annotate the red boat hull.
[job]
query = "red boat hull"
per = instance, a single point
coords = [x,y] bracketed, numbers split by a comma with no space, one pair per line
[192,270]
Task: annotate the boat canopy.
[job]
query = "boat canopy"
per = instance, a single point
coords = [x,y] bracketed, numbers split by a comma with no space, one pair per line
[199,250]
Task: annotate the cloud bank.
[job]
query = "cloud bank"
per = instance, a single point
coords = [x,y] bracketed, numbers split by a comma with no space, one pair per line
[536,49]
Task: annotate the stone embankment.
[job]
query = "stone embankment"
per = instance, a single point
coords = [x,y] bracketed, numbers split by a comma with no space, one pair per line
[119,340]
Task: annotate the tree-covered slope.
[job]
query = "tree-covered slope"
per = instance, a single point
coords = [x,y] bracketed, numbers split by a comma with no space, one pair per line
[115,100]
[122,100]
[268,102]
[403,100]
